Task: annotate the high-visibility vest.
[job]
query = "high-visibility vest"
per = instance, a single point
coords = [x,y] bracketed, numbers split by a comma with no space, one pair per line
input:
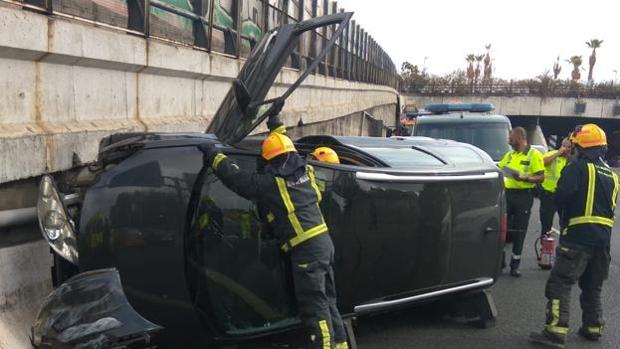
[526,163]
[553,172]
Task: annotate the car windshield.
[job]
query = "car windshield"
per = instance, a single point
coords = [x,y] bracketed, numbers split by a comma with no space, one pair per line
[490,137]
[457,155]
[404,157]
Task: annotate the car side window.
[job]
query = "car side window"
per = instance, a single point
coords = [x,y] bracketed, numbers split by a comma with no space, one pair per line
[237,274]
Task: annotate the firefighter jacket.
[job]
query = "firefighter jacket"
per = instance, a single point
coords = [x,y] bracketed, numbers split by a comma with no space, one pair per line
[586,198]
[291,203]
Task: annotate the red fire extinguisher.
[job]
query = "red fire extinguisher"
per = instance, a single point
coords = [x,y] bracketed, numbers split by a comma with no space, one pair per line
[545,251]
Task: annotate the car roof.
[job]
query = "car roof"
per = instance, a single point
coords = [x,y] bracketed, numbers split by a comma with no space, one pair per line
[463,117]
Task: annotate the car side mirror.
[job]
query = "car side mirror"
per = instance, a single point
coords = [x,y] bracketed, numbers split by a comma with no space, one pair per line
[241,95]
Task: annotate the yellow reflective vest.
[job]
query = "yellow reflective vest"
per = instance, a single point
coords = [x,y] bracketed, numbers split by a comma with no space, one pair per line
[528,162]
[553,171]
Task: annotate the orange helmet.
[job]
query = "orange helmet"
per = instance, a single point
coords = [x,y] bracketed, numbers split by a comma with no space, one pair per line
[276,144]
[588,136]
[326,154]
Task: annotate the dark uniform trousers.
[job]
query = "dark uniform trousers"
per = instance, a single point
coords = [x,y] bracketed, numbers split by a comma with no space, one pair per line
[315,290]
[575,262]
[547,211]
[518,208]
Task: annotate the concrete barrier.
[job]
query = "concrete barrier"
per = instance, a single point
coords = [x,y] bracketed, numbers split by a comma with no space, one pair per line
[25,280]
[66,84]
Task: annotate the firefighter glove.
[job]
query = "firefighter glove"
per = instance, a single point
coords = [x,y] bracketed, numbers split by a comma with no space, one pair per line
[209,152]
[273,112]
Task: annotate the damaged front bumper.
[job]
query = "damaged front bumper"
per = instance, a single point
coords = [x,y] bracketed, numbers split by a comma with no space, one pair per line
[90,310]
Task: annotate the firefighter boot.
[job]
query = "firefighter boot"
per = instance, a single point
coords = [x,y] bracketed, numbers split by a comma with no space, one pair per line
[514,267]
[591,333]
[548,339]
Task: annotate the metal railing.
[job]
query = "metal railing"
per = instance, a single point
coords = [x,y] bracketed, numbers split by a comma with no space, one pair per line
[233,27]
[517,88]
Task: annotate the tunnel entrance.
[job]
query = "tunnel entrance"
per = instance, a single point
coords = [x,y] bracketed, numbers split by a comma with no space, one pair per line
[557,127]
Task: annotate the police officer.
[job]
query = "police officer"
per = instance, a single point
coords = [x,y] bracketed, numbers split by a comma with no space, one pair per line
[288,191]
[586,198]
[325,154]
[555,161]
[523,167]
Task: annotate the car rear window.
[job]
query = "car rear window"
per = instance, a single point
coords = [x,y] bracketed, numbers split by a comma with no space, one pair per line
[404,157]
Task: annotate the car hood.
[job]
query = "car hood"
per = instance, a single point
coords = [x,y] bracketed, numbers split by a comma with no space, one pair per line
[90,310]
[232,123]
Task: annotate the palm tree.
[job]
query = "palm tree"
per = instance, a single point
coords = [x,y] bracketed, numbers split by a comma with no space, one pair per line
[556,68]
[488,69]
[479,59]
[576,61]
[470,67]
[593,44]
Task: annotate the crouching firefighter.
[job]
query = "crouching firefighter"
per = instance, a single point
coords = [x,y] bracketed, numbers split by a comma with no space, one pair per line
[586,198]
[288,192]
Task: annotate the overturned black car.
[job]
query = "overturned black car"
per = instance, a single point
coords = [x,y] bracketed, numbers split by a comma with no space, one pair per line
[413,219]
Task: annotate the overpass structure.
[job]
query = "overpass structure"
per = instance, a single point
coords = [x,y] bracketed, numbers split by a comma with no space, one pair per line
[74,71]
[556,116]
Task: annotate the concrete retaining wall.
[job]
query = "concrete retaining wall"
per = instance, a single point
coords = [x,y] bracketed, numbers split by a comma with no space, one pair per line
[25,281]
[371,122]
[527,105]
[64,85]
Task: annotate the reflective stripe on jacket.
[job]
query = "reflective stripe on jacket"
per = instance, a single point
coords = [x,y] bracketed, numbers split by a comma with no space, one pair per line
[293,207]
[586,195]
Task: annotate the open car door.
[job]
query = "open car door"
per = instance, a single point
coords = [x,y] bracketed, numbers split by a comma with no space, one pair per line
[238,279]
[244,107]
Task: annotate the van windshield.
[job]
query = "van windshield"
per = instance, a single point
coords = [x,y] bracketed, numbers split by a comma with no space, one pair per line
[490,137]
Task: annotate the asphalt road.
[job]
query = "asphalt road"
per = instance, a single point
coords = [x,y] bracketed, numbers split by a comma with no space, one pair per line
[520,304]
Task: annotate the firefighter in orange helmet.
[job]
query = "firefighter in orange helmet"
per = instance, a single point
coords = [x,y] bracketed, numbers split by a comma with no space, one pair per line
[288,193]
[586,199]
[325,154]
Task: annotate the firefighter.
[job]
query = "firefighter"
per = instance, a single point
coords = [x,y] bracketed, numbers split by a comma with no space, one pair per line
[586,199]
[288,192]
[325,154]
[523,168]
[555,161]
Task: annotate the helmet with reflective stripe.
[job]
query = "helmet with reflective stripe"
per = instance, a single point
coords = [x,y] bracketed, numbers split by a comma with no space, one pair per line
[276,144]
[326,154]
[588,136]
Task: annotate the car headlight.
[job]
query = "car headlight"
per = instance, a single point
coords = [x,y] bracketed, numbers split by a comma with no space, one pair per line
[56,225]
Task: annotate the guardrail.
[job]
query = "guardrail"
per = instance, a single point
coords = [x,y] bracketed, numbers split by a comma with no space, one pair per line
[233,27]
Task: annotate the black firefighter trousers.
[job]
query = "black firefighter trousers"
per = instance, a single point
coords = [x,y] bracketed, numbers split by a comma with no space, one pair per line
[547,211]
[518,208]
[315,291]
[590,266]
